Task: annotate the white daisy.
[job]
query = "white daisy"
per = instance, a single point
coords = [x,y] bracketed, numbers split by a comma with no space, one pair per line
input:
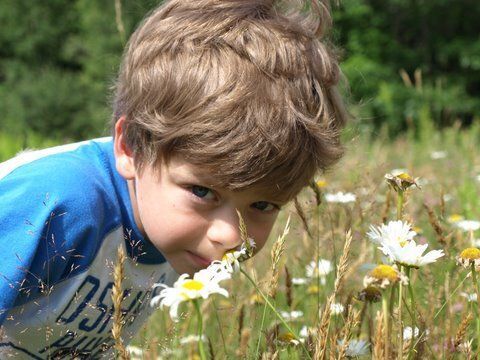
[320,269]
[135,352]
[470,297]
[408,332]
[192,339]
[204,283]
[355,347]
[468,225]
[337,308]
[292,315]
[409,253]
[232,258]
[340,197]
[299,281]
[436,155]
[394,232]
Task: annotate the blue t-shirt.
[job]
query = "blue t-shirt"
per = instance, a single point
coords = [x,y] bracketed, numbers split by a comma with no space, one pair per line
[63,213]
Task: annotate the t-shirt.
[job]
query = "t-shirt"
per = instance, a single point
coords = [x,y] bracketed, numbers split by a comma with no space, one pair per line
[64,211]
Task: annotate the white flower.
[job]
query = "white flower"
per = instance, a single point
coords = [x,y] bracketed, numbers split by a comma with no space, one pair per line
[340,197]
[336,308]
[409,253]
[299,281]
[192,339]
[292,315]
[398,232]
[407,332]
[322,269]
[305,331]
[355,347]
[396,172]
[232,258]
[469,297]
[204,283]
[436,155]
[468,225]
[135,352]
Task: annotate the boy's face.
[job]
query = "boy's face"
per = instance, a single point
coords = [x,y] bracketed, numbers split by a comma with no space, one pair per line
[187,220]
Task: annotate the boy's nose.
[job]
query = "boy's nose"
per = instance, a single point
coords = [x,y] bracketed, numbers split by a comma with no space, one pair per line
[224,229]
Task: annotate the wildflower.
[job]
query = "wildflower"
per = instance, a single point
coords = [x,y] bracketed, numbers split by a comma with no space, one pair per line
[204,283]
[468,225]
[468,257]
[232,258]
[321,183]
[287,338]
[305,331]
[400,182]
[313,289]
[394,232]
[320,269]
[135,352]
[299,281]
[256,299]
[340,197]
[192,339]
[355,347]
[292,315]
[370,294]
[454,218]
[408,332]
[337,308]
[469,297]
[384,275]
[436,155]
[398,171]
[410,254]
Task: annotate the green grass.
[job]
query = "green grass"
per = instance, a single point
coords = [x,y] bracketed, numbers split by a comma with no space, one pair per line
[367,160]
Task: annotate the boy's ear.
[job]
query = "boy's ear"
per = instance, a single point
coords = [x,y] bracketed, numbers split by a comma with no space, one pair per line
[123,154]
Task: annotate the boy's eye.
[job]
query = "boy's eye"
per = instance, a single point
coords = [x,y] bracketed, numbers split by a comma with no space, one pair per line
[202,192]
[263,206]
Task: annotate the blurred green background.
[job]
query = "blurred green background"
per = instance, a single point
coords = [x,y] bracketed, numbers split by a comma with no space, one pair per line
[411,64]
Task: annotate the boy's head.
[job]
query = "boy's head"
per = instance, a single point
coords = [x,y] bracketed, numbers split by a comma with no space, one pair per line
[245,90]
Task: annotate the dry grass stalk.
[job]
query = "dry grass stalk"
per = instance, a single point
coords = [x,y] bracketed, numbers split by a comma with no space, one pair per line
[433,220]
[324,325]
[462,330]
[288,288]
[211,353]
[386,209]
[276,254]
[302,216]
[317,191]
[241,317]
[243,229]
[271,336]
[244,339]
[270,356]
[379,339]
[352,321]
[117,297]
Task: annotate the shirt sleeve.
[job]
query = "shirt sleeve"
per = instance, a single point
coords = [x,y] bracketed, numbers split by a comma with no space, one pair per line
[51,216]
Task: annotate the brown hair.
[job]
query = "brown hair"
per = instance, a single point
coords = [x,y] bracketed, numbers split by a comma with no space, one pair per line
[246,89]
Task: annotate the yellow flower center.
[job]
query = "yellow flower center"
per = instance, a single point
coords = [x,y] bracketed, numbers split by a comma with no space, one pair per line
[470,254]
[405,177]
[226,256]
[193,285]
[313,289]
[286,337]
[385,272]
[321,183]
[455,218]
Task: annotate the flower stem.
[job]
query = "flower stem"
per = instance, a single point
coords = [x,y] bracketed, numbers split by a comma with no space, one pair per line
[265,298]
[261,328]
[385,321]
[477,308]
[400,324]
[201,350]
[412,306]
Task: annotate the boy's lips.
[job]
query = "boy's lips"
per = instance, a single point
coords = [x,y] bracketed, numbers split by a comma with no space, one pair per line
[199,260]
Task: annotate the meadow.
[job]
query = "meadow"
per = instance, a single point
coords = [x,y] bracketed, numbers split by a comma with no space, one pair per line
[328,312]
[324,311]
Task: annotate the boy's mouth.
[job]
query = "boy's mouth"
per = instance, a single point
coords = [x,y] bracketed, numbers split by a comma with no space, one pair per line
[199,260]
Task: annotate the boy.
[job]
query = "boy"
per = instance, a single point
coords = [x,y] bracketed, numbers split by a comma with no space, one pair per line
[219,106]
